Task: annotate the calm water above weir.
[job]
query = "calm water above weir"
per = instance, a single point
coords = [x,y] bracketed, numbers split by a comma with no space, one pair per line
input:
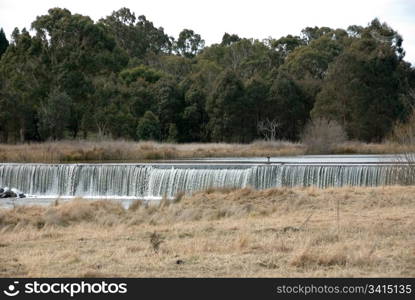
[43,183]
[306,159]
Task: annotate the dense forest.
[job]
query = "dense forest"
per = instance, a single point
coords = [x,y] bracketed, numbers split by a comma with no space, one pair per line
[122,77]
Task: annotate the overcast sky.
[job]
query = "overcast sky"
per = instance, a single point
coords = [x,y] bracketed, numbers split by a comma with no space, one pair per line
[247,18]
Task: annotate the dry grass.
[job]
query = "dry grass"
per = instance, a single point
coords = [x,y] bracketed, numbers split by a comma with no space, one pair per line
[244,232]
[81,151]
[354,147]
[89,151]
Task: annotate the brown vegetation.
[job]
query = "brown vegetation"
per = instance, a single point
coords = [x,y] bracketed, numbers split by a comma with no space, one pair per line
[355,147]
[125,151]
[322,136]
[248,233]
[83,151]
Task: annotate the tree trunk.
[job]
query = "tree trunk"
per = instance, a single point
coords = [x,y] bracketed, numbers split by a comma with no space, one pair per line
[22,131]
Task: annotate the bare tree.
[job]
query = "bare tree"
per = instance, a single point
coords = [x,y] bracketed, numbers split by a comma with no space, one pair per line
[269,128]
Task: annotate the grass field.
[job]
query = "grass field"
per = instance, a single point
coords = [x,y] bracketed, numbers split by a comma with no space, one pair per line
[283,232]
[89,151]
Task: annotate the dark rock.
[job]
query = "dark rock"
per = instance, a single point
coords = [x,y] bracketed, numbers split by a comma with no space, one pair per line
[8,194]
[11,193]
[290,228]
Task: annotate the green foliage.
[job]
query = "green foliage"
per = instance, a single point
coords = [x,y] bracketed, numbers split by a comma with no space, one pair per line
[76,50]
[4,43]
[362,90]
[285,45]
[123,77]
[229,39]
[148,74]
[312,61]
[246,57]
[229,110]
[24,84]
[148,127]
[189,43]
[286,103]
[310,34]
[194,114]
[173,133]
[136,36]
[54,114]
[257,91]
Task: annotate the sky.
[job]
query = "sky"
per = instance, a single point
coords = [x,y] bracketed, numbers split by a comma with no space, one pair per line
[257,19]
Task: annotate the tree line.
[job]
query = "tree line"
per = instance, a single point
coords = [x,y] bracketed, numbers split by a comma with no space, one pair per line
[122,77]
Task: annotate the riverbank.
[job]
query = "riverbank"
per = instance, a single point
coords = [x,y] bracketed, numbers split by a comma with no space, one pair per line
[218,233]
[126,151]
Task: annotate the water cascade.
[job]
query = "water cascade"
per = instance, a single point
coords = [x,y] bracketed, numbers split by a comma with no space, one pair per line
[157,180]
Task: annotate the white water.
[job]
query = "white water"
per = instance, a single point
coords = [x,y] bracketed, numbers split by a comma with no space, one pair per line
[155,181]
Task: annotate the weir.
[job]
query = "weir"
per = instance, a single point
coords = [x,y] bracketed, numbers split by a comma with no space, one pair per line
[158,180]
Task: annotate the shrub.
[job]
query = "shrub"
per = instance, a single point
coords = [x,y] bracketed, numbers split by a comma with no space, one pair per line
[156,240]
[404,132]
[321,135]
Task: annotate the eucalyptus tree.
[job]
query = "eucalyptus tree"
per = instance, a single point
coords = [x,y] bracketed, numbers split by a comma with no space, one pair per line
[136,35]
[229,110]
[4,43]
[229,39]
[288,104]
[76,50]
[24,83]
[189,43]
[148,127]
[54,113]
[364,87]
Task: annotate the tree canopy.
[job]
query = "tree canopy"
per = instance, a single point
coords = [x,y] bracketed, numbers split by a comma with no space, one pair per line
[124,77]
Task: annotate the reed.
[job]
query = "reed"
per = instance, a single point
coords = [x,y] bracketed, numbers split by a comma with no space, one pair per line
[128,151]
[91,151]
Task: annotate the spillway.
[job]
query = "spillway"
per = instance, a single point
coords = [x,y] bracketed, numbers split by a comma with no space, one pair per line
[167,179]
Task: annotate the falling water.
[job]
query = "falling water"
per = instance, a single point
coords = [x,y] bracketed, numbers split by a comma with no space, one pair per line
[167,180]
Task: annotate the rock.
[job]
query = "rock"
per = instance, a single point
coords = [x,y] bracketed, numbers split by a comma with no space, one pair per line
[8,194]
[11,193]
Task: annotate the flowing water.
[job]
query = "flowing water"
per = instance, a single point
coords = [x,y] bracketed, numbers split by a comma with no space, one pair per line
[154,181]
